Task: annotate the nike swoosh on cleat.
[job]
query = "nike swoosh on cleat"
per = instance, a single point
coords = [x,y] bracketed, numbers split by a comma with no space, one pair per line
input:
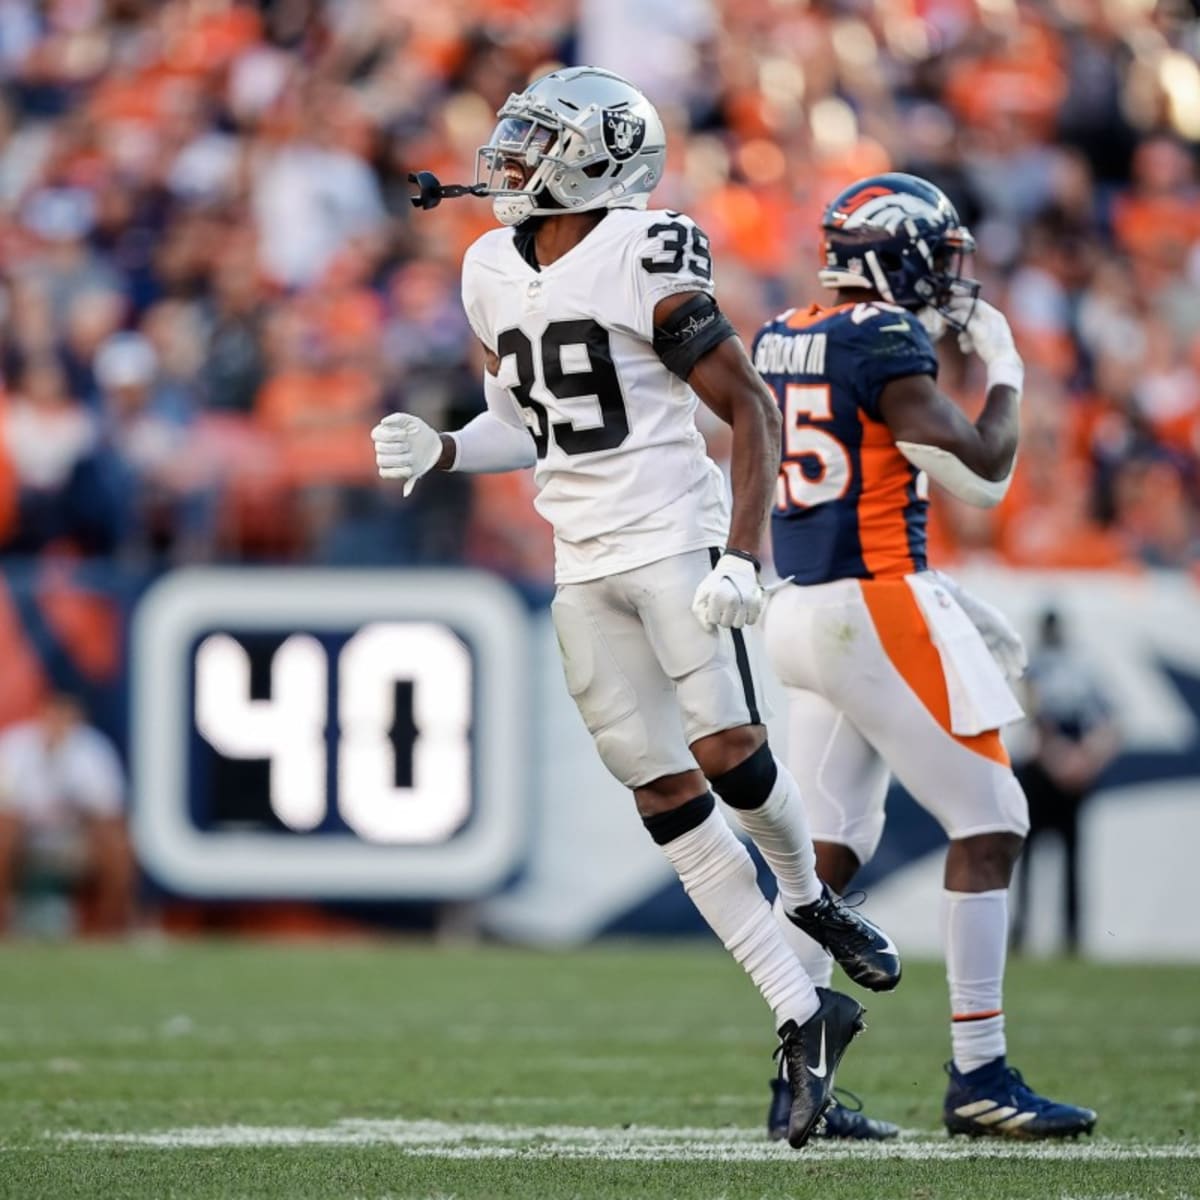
[889,947]
[818,1072]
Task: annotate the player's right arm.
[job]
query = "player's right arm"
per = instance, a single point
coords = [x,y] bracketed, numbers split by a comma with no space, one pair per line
[496,440]
[971,461]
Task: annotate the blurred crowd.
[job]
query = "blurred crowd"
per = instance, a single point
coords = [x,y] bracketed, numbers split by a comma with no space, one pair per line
[212,283]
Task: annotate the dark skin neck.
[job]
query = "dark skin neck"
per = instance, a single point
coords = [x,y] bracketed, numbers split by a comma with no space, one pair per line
[555,236]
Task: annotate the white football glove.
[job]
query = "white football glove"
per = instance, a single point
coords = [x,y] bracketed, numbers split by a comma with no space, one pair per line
[405,448]
[730,595]
[988,335]
[1002,640]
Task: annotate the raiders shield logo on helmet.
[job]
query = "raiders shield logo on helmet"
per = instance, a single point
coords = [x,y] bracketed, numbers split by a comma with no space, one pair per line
[623,133]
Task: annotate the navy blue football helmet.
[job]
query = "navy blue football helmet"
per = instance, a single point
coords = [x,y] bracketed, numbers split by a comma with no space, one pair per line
[900,236]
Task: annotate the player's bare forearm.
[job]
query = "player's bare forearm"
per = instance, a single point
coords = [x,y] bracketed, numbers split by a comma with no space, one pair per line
[449,453]
[998,428]
[915,411]
[727,382]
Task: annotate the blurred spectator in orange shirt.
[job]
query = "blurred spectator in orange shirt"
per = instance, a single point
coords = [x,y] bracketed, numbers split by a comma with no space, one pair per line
[319,407]
[1159,218]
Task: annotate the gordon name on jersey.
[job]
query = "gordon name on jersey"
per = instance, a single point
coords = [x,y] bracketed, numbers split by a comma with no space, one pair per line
[614,429]
[848,503]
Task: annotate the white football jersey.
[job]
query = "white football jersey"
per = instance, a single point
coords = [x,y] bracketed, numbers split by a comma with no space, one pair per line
[622,471]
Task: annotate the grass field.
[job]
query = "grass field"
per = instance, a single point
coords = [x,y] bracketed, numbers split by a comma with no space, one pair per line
[248,1070]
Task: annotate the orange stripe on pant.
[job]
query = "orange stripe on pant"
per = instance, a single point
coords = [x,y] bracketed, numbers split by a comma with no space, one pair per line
[905,637]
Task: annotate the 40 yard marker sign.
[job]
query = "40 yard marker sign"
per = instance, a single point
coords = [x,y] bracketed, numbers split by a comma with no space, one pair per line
[329,734]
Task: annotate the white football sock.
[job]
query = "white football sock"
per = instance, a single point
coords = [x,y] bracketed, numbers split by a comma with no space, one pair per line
[779,828]
[718,874]
[975,936]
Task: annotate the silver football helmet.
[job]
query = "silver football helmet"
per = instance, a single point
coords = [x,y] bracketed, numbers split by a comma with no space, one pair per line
[583,138]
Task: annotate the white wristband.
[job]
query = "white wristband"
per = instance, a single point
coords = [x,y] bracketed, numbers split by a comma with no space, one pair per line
[1009,372]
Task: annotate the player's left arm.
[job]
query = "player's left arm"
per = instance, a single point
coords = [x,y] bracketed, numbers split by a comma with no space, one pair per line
[973,461]
[723,376]
[696,341]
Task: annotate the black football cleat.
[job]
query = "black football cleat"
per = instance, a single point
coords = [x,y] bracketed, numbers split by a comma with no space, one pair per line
[994,1101]
[812,1052]
[867,955]
[779,1115]
[852,1124]
[841,1122]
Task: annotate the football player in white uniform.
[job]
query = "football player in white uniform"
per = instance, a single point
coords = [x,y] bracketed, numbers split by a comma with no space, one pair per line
[601,332]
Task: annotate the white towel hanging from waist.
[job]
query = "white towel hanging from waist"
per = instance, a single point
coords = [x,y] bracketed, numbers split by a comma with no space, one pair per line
[980,698]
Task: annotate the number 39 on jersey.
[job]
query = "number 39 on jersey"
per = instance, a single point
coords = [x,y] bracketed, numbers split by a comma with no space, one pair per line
[613,428]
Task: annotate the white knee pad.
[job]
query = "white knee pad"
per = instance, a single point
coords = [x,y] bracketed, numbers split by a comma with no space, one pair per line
[624,748]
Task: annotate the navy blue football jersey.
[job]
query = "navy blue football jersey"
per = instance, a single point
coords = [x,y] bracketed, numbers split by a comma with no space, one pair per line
[848,504]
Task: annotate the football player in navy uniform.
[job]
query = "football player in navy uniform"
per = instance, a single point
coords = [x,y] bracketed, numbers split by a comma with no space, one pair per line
[891,668]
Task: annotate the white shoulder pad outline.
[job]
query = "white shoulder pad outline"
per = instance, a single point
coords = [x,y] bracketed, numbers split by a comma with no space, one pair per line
[482,262]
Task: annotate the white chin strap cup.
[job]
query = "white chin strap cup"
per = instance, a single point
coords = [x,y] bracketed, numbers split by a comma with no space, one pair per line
[512,210]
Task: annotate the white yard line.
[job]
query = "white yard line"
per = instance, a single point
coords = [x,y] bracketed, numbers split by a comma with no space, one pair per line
[437,1139]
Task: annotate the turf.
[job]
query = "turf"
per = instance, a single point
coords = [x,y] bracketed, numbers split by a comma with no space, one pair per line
[316,1071]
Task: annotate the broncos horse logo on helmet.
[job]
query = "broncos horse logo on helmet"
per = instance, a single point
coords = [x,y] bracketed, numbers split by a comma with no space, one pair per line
[900,236]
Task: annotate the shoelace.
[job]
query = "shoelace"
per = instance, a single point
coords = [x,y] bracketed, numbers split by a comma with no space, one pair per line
[1019,1090]
[848,1100]
[851,900]
[778,1053]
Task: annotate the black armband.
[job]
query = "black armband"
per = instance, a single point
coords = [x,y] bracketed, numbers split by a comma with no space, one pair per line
[689,333]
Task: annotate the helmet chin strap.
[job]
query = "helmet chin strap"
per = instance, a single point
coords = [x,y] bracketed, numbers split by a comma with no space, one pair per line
[513,209]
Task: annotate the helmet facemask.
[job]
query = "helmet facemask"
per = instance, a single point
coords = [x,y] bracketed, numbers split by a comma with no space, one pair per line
[535,145]
[518,146]
[946,289]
